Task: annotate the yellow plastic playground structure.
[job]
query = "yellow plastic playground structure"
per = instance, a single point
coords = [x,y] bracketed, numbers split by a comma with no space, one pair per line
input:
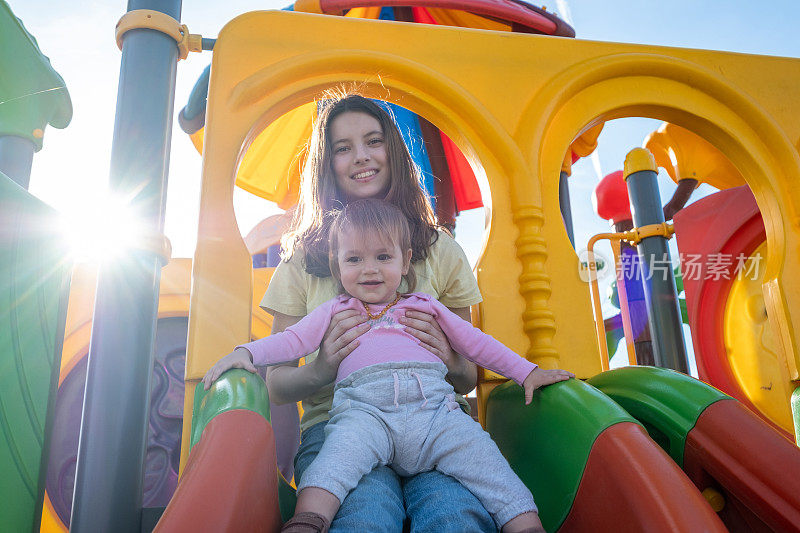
[745,114]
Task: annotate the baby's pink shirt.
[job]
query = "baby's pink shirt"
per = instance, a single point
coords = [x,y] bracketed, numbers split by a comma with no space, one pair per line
[387,340]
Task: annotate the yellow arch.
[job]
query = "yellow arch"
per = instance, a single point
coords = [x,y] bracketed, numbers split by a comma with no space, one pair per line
[450,108]
[461,117]
[695,98]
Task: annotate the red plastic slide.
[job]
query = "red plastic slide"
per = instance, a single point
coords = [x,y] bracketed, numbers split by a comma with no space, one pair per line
[230,480]
[632,485]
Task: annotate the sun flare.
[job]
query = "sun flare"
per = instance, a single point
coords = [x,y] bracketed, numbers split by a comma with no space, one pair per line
[101,229]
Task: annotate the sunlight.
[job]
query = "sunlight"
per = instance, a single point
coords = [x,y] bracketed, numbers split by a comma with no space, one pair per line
[101,229]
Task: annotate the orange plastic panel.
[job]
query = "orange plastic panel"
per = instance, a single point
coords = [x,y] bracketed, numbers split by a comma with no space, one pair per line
[630,484]
[230,480]
[755,467]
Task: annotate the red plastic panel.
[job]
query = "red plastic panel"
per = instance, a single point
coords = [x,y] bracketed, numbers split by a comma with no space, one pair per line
[465,186]
[729,223]
[631,485]
[421,16]
[753,466]
[230,479]
[505,10]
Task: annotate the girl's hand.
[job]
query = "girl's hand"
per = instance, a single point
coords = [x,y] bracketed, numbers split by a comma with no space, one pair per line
[340,339]
[539,378]
[239,358]
[426,329]
[461,373]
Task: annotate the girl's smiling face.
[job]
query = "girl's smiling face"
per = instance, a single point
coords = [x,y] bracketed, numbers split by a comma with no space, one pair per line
[371,266]
[360,163]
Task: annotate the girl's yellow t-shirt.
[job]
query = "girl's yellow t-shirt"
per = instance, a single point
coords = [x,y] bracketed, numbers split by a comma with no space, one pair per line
[292,291]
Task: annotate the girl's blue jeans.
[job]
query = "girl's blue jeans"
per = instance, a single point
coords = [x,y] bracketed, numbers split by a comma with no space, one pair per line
[432,501]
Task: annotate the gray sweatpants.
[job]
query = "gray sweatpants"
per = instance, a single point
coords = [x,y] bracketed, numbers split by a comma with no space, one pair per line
[405,415]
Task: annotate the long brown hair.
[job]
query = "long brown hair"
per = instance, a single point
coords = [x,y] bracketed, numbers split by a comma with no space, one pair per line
[319,194]
[367,218]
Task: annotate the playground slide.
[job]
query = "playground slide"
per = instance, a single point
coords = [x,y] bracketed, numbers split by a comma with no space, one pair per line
[229,481]
[747,469]
[590,465]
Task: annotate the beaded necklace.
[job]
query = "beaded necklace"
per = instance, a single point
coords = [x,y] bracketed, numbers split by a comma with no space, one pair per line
[383,311]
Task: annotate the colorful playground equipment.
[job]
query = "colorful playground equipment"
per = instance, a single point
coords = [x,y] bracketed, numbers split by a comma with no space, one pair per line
[675,453]
[723,238]
[722,242]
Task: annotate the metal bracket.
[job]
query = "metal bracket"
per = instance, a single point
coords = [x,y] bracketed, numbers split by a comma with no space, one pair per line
[652,230]
[155,243]
[156,20]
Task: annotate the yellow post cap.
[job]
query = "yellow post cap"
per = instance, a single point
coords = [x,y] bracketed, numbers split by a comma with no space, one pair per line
[637,160]
[714,499]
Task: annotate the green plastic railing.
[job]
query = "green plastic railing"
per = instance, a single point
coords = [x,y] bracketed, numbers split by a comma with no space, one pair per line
[235,389]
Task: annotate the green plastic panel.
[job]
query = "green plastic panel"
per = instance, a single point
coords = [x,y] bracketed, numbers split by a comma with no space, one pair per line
[32,93]
[667,403]
[33,301]
[235,389]
[548,442]
[287,498]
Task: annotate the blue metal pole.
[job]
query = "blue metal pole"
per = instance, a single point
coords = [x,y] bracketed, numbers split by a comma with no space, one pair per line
[109,476]
[660,295]
[16,158]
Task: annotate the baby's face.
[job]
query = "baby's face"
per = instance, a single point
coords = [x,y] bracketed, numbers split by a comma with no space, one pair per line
[371,267]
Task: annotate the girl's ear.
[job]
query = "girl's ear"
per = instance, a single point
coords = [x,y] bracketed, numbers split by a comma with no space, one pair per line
[407,261]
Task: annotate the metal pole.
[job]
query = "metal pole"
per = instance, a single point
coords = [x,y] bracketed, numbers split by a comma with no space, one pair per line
[16,158]
[634,293]
[659,282]
[564,204]
[111,451]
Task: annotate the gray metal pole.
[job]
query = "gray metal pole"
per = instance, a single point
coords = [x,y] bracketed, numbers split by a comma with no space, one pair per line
[16,158]
[564,204]
[664,315]
[111,451]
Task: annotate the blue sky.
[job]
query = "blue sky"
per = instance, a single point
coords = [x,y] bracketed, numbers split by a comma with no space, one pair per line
[72,169]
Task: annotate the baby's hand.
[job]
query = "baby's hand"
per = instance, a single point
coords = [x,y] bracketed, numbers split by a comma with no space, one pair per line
[239,358]
[540,377]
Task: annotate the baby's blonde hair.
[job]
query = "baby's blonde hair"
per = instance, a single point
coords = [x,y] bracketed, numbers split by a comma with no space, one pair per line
[376,217]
